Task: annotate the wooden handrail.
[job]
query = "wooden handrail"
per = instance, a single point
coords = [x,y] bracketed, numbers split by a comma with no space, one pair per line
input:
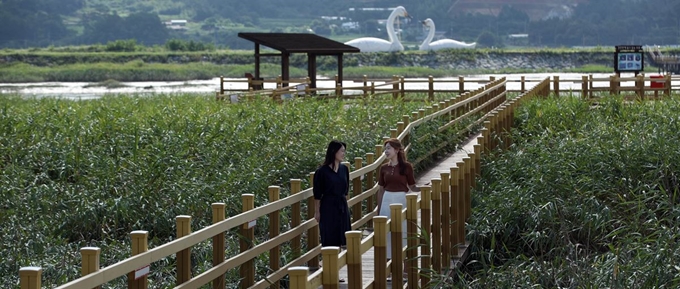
[498,123]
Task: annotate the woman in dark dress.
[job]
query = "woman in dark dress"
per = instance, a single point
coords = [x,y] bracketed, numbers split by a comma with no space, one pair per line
[331,186]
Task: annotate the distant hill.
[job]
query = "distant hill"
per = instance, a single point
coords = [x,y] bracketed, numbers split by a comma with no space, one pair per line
[535,9]
[490,23]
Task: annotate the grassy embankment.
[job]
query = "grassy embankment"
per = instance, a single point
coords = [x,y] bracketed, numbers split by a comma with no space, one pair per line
[87,173]
[154,64]
[586,198]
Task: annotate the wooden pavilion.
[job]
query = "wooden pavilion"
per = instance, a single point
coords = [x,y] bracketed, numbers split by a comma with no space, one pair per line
[289,43]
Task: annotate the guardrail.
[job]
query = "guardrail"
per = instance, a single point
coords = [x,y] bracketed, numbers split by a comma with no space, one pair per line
[588,86]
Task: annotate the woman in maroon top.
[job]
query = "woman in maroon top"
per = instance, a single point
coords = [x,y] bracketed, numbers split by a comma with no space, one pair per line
[395,180]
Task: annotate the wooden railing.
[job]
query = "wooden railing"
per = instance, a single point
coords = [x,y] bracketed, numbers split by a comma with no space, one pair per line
[303,234]
[588,86]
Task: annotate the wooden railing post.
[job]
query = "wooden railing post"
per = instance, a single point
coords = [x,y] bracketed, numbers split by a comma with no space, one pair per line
[400,127]
[218,241]
[425,251]
[468,186]
[522,88]
[184,256]
[247,269]
[446,219]
[139,240]
[30,278]
[354,268]
[380,252]
[298,277]
[330,279]
[584,87]
[462,205]
[477,148]
[378,150]
[405,119]
[640,85]
[296,218]
[461,188]
[612,85]
[369,184]
[394,133]
[312,233]
[430,88]
[90,261]
[397,233]
[411,240]
[395,87]
[221,84]
[402,87]
[365,88]
[557,85]
[357,188]
[454,212]
[436,226]
[461,84]
[486,134]
[274,230]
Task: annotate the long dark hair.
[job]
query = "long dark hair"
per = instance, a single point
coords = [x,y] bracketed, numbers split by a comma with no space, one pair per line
[401,154]
[333,147]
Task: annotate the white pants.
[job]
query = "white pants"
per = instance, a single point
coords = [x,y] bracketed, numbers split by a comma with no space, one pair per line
[388,199]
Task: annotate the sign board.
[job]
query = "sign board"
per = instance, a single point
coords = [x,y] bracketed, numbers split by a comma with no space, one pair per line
[141,272]
[629,58]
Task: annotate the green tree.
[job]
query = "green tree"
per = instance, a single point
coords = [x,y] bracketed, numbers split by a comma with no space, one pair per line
[489,39]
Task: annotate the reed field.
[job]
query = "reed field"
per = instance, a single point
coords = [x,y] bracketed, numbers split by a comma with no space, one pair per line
[585,198]
[87,173]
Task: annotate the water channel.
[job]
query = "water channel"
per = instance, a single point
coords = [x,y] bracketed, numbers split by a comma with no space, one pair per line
[84,90]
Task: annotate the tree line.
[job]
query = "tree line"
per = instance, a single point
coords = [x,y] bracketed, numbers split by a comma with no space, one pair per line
[41,23]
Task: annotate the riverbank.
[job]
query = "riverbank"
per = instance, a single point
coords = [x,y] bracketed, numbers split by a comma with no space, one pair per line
[46,66]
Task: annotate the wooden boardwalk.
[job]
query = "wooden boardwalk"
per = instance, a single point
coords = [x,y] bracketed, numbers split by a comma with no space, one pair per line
[423,179]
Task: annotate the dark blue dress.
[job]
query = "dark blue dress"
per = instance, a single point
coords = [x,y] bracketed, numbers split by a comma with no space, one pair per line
[332,188]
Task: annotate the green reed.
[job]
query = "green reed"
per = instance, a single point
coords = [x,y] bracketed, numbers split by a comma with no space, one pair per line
[585,198]
[87,173]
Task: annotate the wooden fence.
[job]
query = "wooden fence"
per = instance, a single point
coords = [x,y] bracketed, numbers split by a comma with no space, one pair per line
[588,86]
[487,105]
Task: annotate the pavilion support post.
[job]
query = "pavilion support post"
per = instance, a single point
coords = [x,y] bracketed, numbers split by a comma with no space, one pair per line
[311,69]
[257,61]
[340,64]
[285,69]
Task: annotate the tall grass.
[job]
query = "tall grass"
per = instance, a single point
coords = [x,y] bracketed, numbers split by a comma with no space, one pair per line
[585,198]
[87,173]
[133,71]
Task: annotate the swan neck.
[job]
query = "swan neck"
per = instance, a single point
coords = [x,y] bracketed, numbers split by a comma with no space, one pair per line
[390,26]
[430,35]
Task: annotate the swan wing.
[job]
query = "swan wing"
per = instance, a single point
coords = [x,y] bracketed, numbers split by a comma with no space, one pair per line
[450,43]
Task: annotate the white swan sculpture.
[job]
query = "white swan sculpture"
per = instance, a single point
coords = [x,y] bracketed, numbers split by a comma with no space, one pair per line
[372,44]
[443,43]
